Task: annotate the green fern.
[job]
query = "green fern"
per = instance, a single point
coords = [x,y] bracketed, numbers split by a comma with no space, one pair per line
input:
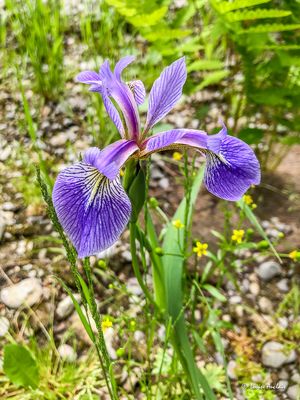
[265,28]
[204,65]
[225,6]
[258,13]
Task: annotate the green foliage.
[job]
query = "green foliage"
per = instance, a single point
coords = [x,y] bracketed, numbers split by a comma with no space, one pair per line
[20,366]
[38,28]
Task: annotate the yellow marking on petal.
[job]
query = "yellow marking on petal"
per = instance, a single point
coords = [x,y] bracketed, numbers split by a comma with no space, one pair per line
[95,189]
[122,173]
[200,249]
[238,235]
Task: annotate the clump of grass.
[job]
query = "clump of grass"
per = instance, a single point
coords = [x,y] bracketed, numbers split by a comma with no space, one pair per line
[38,26]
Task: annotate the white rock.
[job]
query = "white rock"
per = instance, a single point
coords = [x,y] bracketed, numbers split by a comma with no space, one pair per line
[294,392]
[133,287]
[4,326]
[254,288]
[231,367]
[283,285]
[296,377]
[139,336]
[27,292]
[67,353]
[65,307]
[235,300]
[268,269]
[265,305]
[109,335]
[274,355]
[164,183]
[282,385]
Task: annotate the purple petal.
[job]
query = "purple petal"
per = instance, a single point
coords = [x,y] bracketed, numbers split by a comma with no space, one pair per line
[91,155]
[88,77]
[231,171]
[92,210]
[165,92]
[113,156]
[113,113]
[138,89]
[122,64]
[175,138]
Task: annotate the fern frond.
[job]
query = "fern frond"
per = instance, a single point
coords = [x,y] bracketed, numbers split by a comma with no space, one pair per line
[258,13]
[166,34]
[281,47]
[265,28]
[204,65]
[226,6]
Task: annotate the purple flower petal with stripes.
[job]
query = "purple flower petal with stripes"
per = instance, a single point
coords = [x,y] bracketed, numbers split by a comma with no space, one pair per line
[112,157]
[230,172]
[122,64]
[93,210]
[88,77]
[138,89]
[165,92]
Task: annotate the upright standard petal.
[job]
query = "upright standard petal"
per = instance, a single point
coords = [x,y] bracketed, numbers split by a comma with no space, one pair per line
[165,92]
[122,64]
[123,96]
[112,157]
[89,77]
[138,89]
[232,170]
[93,210]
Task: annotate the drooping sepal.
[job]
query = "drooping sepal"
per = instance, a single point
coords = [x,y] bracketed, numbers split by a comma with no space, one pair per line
[93,210]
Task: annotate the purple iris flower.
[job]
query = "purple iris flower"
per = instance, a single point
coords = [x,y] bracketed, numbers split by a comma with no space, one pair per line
[88,196]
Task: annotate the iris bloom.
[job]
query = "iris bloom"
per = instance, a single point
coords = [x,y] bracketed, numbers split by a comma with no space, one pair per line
[88,196]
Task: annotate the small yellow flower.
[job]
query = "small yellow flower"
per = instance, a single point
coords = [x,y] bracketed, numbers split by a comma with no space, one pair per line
[238,235]
[122,173]
[177,156]
[294,255]
[254,206]
[200,249]
[178,224]
[247,199]
[105,324]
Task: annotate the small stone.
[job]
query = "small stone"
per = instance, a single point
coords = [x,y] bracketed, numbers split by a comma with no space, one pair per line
[296,377]
[109,336]
[139,336]
[254,288]
[274,355]
[65,307]
[67,353]
[164,183]
[27,292]
[283,321]
[133,287]
[283,374]
[219,359]
[265,305]
[231,368]
[282,385]
[4,326]
[294,392]
[283,285]
[126,255]
[268,269]
[235,300]
[156,173]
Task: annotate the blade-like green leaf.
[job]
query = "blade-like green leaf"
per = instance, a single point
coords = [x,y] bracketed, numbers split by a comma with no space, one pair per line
[20,366]
[226,6]
[212,79]
[254,221]
[79,311]
[214,292]
[173,270]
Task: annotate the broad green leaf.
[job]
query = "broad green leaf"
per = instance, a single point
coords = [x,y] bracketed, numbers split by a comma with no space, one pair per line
[214,292]
[164,35]
[213,78]
[173,270]
[202,65]
[254,221]
[256,14]
[265,28]
[20,366]
[144,20]
[226,6]
[251,135]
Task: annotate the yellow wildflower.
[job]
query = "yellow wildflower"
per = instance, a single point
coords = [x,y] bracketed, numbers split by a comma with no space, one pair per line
[200,249]
[177,156]
[122,173]
[238,235]
[294,255]
[249,201]
[105,324]
[177,223]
